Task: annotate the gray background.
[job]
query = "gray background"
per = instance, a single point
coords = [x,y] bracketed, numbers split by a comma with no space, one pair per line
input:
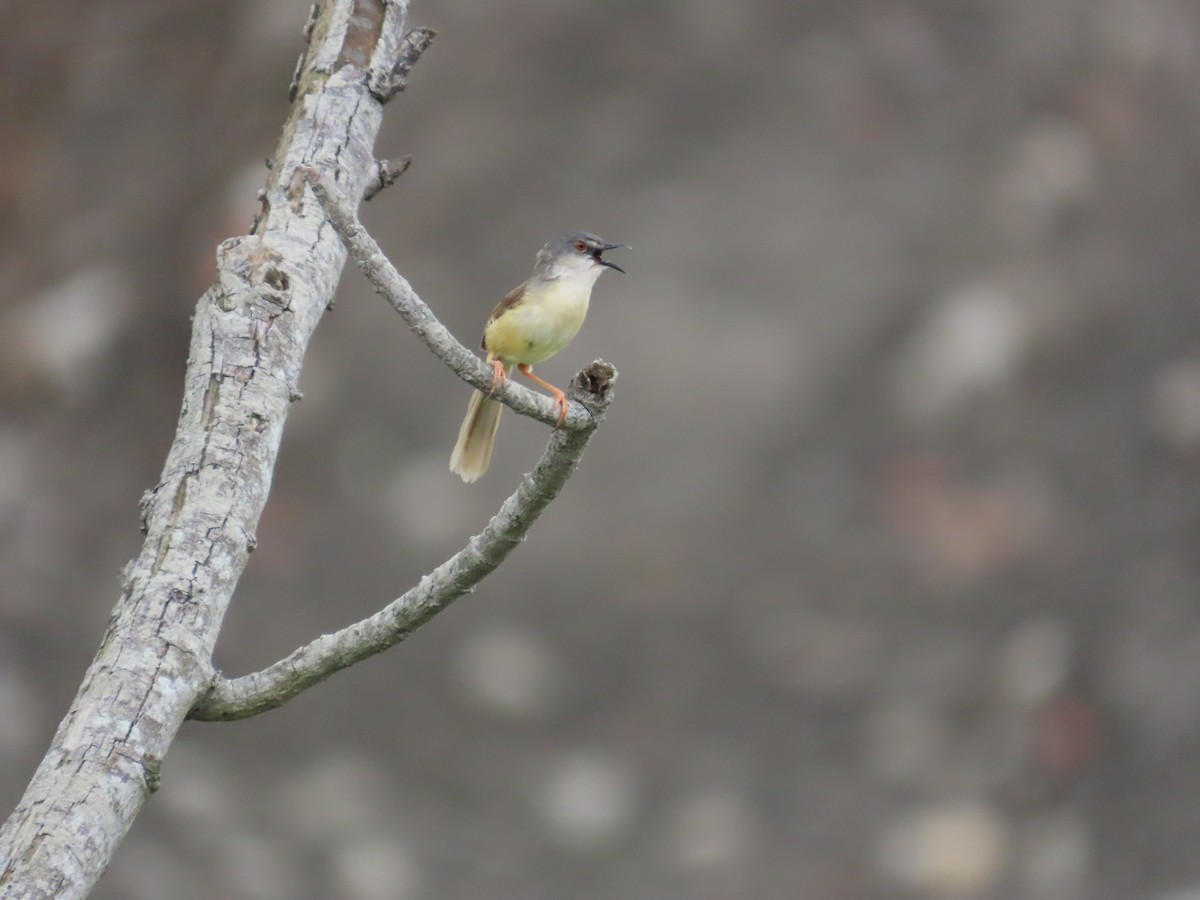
[881,580]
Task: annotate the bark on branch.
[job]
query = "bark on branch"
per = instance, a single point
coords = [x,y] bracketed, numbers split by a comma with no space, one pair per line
[250,332]
[394,288]
[250,695]
[248,341]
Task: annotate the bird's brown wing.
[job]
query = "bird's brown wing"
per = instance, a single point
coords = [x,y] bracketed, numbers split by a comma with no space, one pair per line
[514,297]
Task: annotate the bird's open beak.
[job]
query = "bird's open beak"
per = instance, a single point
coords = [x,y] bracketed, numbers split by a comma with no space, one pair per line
[604,262]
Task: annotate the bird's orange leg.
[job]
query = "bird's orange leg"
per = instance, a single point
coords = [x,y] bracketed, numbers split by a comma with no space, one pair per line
[499,376]
[559,397]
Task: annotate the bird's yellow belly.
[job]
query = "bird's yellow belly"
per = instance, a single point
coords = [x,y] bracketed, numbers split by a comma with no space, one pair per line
[537,327]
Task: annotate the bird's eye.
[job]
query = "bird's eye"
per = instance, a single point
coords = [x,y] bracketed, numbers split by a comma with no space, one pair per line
[581,246]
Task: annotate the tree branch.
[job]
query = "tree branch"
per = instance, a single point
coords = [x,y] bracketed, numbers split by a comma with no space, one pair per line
[387,84]
[249,336]
[386,174]
[250,331]
[273,686]
[394,288]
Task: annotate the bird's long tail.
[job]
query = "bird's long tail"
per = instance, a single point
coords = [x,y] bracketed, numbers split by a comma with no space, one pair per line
[473,452]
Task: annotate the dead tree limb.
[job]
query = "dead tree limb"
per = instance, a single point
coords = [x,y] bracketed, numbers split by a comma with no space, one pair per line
[252,694]
[248,341]
[592,388]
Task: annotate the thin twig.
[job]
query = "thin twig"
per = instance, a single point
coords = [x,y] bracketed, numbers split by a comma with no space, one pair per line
[394,81]
[250,695]
[394,288]
[387,171]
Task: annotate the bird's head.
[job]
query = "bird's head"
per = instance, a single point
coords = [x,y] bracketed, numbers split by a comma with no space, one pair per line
[577,253]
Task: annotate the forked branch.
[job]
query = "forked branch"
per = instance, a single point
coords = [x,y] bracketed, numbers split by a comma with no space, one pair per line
[249,695]
[591,389]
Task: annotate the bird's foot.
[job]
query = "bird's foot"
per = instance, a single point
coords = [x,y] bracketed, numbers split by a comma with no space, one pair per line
[563,406]
[499,376]
[559,398]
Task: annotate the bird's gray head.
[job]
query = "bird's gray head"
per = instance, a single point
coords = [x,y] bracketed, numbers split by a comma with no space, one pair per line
[576,253]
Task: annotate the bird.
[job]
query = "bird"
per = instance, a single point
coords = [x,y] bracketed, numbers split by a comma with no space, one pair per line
[532,323]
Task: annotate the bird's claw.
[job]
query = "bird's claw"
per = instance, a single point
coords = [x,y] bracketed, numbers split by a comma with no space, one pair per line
[499,376]
[563,407]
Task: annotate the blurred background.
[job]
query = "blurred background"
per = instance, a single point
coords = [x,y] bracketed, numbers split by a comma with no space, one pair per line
[880,581]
